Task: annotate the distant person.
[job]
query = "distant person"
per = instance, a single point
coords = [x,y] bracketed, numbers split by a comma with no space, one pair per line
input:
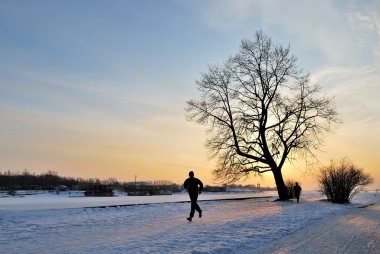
[191,184]
[297,192]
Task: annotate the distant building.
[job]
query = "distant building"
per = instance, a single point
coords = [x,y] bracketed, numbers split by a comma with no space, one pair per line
[147,188]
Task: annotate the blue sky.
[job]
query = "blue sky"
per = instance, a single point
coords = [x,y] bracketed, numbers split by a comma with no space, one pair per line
[98,88]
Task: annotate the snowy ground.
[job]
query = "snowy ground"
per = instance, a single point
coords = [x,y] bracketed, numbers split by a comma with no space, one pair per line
[49,223]
[351,233]
[49,200]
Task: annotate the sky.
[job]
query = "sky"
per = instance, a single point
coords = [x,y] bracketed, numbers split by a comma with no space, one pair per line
[97,89]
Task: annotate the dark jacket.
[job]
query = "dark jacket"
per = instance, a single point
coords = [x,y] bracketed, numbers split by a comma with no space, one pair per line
[297,190]
[191,184]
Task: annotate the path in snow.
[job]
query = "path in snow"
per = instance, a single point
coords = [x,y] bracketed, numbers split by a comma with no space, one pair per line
[241,226]
[353,233]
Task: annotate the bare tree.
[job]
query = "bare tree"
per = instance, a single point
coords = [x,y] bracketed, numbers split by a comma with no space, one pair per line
[261,111]
[341,181]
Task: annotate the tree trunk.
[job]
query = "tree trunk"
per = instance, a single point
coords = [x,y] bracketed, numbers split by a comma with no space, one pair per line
[281,188]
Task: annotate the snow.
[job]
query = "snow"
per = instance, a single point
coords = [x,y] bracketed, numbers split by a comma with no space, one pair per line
[49,223]
[357,231]
[50,200]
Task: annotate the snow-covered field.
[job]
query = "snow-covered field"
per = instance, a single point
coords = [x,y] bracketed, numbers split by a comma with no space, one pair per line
[49,223]
[49,200]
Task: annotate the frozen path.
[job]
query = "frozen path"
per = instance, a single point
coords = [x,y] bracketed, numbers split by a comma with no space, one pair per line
[242,226]
[352,233]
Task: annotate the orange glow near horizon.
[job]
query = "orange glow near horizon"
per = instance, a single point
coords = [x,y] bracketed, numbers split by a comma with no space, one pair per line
[127,157]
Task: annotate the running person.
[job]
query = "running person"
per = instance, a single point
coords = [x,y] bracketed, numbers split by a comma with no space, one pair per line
[191,184]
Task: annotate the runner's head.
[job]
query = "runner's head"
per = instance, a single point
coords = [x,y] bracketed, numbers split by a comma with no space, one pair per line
[191,174]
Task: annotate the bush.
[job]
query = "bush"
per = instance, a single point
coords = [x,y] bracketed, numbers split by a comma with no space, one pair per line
[290,187]
[340,181]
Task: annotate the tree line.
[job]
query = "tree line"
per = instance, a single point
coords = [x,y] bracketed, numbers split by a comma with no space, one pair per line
[49,180]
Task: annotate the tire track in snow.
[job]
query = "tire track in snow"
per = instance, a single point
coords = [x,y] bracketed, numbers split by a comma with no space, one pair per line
[355,232]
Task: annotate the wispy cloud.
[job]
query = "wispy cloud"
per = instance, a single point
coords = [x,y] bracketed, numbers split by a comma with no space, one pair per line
[355,89]
[367,25]
[318,26]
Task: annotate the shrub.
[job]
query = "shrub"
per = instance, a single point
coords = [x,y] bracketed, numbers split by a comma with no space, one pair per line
[340,181]
[290,187]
